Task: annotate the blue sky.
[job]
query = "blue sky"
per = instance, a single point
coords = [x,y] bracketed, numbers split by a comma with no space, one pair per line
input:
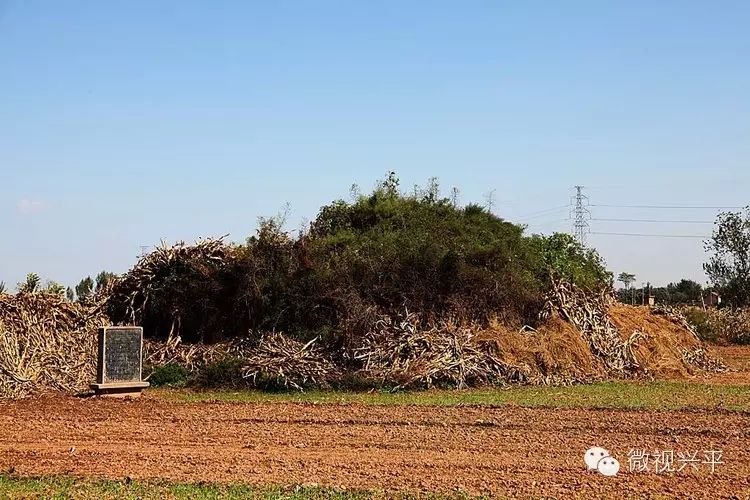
[124,123]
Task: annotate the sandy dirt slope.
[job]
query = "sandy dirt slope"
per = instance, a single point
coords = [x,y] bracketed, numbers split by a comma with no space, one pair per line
[508,450]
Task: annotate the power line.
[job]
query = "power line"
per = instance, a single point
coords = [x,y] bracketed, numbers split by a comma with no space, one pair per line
[653,235]
[542,212]
[658,220]
[554,213]
[668,207]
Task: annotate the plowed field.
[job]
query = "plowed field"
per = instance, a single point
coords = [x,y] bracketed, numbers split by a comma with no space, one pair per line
[505,450]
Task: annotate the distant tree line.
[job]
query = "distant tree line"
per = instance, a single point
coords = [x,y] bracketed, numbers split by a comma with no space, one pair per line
[85,289]
[685,291]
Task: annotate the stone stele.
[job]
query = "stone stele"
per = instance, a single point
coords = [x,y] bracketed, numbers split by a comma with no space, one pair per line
[120,362]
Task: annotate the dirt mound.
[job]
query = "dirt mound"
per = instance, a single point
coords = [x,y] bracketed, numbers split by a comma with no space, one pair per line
[557,352]
[666,347]
[49,343]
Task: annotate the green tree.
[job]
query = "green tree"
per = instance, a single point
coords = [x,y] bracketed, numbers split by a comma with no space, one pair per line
[85,288]
[70,294]
[31,284]
[103,279]
[728,266]
[2,287]
[568,259]
[54,287]
[684,292]
[626,279]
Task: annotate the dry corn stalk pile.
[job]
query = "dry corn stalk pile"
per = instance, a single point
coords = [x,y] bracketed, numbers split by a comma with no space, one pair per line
[730,324]
[274,360]
[281,360]
[190,356]
[700,358]
[46,343]
[588,312]
[132,291]
[674,315]
[401,353]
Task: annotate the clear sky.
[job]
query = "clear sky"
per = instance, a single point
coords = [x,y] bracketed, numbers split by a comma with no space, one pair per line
[125,122]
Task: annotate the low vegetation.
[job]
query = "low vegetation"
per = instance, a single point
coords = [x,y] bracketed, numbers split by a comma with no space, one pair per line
[72,487]
[725,325]
[659,395]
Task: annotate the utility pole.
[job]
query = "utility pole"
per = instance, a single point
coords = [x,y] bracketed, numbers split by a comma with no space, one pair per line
[581,216]
[144,250]
[489,198]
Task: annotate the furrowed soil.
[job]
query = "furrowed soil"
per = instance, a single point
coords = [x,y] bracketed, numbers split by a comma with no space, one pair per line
[506,450]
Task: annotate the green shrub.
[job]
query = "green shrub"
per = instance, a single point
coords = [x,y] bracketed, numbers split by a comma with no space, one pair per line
[701,321]
[223,373]
[172,375]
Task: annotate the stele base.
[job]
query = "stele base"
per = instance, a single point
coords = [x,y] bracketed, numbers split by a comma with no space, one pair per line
[119,389]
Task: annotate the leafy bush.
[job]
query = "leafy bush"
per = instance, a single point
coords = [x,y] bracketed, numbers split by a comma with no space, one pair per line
[172,375]
[701,321]
[224,373]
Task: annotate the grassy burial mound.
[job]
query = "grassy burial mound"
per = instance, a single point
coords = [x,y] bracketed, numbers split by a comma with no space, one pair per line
[388,290]
[393,290]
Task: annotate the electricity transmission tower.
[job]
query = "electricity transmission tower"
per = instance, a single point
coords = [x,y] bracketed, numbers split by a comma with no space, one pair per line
[581,216]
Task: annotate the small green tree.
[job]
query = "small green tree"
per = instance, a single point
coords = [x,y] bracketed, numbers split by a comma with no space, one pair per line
[103,279]
[2,287]
[728,267]
[31,284]
[54,287]
[70,294]
[85,288]
[570,260]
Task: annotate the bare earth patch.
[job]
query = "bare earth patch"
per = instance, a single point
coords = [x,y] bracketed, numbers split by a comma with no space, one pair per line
[505,450]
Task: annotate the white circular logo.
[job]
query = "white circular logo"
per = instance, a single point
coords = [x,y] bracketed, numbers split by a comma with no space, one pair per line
[593,455]
[608,466]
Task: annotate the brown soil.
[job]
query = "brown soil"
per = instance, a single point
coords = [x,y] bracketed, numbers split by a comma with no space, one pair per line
[506,451]
[737,359]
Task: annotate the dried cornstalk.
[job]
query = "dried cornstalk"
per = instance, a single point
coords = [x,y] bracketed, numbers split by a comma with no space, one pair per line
[588,312]
[674,315]
[46,343]
[190,356]
[284,361]
[401,353]
[130,294]
[700,358]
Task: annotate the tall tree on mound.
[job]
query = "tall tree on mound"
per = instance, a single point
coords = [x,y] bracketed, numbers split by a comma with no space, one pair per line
[728,266]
